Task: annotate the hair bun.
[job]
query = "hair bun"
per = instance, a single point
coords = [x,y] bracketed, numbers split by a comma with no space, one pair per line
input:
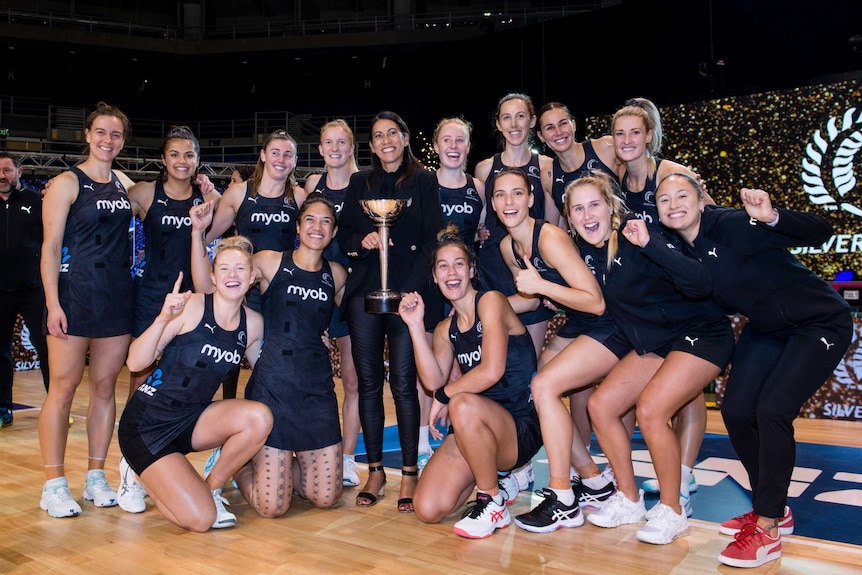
[450,232]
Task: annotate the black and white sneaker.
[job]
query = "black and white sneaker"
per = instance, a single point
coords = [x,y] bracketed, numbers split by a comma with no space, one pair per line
[550,515]
[589,498]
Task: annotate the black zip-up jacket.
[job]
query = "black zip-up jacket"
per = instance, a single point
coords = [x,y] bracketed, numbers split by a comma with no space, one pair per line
[20,240]
[654,293]
[754,274]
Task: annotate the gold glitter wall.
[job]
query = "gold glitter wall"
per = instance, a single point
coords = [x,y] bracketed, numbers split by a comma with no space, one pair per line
[800,145]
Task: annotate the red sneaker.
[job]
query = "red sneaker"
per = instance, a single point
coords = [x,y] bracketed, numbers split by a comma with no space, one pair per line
[751,547]
[732,526]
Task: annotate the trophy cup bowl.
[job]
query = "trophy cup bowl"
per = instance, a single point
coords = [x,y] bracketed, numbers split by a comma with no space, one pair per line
[383,212]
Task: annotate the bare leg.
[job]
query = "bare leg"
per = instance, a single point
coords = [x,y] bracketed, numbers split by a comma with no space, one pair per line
[107,357]
[538,332]
[615,396]
[350,405]
[66,363]
[180,493]
[690,429]
[578,364]
[680,377]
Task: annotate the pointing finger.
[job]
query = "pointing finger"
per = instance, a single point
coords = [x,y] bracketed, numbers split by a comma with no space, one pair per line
[177,283]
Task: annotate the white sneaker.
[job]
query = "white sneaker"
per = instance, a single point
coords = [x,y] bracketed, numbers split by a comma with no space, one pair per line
[485,517]
[97,490]
[524,476]
[224,518]
[57,499]
[684,503]
[351,478]
[131,493]
[663,526]
[619,510]
[651,485]
[508,487]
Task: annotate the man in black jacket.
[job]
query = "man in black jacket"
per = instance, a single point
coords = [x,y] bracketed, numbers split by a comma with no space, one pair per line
[20,279]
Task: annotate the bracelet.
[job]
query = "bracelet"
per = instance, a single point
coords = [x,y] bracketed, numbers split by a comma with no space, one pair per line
[440,395]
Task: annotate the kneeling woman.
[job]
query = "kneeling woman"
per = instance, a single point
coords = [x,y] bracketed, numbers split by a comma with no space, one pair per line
[494,424]
[201,340]
[293,376]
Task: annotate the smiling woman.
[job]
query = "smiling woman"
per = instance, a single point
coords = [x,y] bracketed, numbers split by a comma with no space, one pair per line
[163,208]
[85,263]
[396,174]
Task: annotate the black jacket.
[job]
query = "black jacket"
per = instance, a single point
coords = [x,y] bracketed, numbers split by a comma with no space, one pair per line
[20,240]
[754,274]
[413,235]
[654,293]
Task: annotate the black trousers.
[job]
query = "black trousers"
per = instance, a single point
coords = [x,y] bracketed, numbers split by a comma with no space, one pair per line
[771,378]
[30,303]
[369,333]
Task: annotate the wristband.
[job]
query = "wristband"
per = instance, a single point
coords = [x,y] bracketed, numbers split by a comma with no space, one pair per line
[440,395]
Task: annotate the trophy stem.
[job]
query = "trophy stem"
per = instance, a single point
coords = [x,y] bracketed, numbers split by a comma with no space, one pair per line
[383,232]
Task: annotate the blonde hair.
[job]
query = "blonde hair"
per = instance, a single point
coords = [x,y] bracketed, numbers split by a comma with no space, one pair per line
[239,243]
[609,190]
[339,123]
[649,115]
[463,124]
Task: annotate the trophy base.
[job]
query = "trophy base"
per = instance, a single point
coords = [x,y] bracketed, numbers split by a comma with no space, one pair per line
[382,301]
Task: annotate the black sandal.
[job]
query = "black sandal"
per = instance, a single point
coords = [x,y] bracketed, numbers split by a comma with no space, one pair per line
[405,504]
[367,495]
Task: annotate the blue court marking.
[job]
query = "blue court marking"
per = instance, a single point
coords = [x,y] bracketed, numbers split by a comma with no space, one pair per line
[826,490]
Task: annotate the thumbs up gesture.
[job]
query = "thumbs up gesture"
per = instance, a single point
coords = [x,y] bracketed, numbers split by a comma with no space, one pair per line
[528,280]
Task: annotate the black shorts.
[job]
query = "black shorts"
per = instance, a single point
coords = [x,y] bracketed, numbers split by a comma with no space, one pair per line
[616,342]
[337,326]
[597,327]
[529,439]
[710,340]
[139,457]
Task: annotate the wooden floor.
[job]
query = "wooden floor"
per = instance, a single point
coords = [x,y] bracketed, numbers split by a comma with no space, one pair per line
[347,539]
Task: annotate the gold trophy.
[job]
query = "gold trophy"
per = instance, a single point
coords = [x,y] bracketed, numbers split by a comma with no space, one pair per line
[383,212]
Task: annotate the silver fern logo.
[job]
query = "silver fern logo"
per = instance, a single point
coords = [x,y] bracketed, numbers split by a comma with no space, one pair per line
[25,338]
[849,372]
[827,168]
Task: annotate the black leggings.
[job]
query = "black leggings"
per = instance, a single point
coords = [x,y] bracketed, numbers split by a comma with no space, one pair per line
[368,333]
